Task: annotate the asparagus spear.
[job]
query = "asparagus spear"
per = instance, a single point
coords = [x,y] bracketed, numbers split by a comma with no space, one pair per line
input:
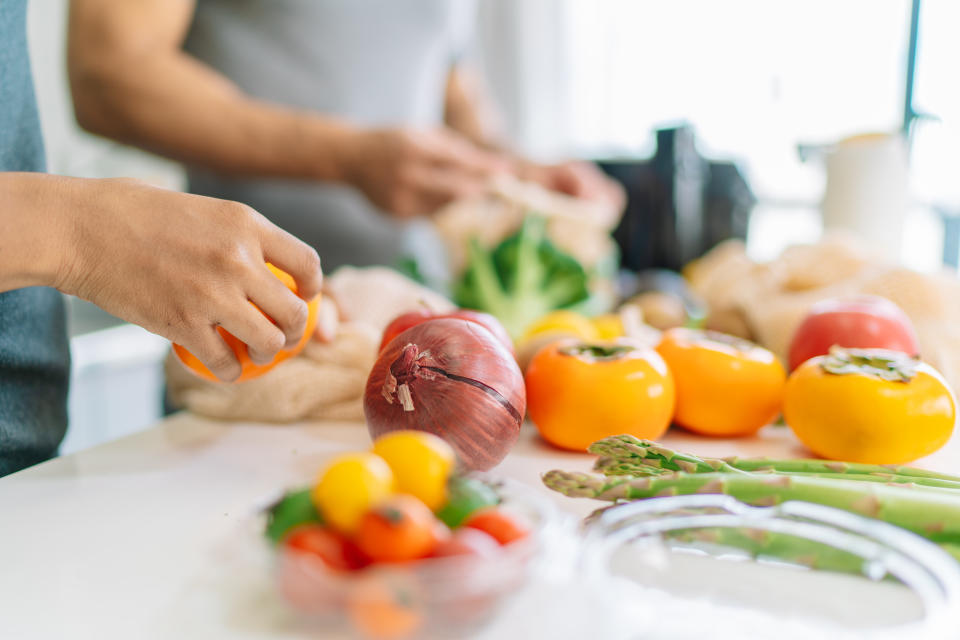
[932,514]
[627,455]
[615,467]
[783,547]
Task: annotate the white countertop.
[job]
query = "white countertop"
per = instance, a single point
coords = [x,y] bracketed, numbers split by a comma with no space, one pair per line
[127,540]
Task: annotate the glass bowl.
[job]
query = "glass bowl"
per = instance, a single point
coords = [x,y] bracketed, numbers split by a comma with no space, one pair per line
[679,567]
[451,597]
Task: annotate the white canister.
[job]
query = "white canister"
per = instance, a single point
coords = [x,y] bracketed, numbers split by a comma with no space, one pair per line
[867,191]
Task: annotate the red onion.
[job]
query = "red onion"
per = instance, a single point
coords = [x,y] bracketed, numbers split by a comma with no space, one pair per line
[452,378]
[406,320]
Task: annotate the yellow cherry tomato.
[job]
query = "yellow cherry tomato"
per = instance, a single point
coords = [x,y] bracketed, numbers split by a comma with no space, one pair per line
[609,326]
[869,405]
[725,386]
[578,393]
[421,464]
[349,486]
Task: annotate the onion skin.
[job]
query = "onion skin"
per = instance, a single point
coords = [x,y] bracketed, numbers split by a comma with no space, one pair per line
[404,321]
[452,378]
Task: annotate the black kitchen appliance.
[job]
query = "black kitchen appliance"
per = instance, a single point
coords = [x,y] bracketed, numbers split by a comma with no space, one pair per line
[679,204]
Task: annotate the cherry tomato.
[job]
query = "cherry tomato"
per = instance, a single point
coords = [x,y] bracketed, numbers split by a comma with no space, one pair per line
[387,605]
[403,322]
[248,369]
[502,526]
[421,464]
[578,393]
[869,405]
[466,495]
[854,321]
[349,486]
[399,529]
[468,541]
[337,552]
[725,386]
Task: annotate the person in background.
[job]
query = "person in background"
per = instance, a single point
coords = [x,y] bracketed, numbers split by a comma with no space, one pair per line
[365,103]
[179,265]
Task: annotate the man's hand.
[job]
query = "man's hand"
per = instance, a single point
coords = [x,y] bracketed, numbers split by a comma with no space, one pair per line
[177,264]
[578,179]
[410,172]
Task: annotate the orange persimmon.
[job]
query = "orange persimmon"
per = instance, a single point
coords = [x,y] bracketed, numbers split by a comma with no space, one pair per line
[873,406]
[580,392]
[249,370]
[725,386]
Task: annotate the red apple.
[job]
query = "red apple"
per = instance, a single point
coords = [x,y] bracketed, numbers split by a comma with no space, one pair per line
[852,321]
[404,321]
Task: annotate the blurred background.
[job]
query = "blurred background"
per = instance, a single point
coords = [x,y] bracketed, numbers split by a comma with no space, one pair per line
[741,105]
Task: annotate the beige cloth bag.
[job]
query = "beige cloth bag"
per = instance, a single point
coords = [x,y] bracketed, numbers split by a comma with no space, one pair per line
[766,302]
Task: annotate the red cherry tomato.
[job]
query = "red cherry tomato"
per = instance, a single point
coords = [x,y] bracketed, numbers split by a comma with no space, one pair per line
[865,322]
[337,552]
[403,322]
[399,529]
[502,526]
[468,541]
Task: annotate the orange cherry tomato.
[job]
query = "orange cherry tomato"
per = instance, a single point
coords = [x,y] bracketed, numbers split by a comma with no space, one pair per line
[502,526]
[869,405]
[336,551]
[579,392]
[387,605]
[399,529]
[725,386]
[249,370]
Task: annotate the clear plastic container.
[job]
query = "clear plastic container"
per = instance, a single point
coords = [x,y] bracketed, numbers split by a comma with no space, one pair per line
[680,567]
[452,597]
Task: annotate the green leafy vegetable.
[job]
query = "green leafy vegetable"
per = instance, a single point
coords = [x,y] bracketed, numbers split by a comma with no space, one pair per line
[522,279]
[292,510]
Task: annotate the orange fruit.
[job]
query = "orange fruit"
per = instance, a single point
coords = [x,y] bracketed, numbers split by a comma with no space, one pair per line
[580,392]
[399,529]
[249,370]
[725,386]
[387,605]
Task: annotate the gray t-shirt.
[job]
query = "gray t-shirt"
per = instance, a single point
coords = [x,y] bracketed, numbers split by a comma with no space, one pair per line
[34,358]
[376,62]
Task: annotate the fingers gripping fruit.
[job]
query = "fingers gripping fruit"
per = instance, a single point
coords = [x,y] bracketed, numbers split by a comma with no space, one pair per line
[249,369]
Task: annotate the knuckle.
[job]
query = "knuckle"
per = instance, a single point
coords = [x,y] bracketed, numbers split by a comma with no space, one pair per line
[297,316]
[271,343]
[224,364]
[231,257]
[310,262]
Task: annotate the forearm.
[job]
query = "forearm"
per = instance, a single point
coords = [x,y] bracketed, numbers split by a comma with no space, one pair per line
[131,82]
[33,233]
[177,107]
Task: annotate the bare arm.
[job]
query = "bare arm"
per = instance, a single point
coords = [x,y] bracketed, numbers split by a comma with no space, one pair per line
[131,82]
[177,264]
